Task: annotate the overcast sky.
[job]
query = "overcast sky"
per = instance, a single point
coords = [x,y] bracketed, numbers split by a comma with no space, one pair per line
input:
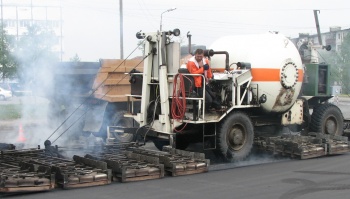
[91,27]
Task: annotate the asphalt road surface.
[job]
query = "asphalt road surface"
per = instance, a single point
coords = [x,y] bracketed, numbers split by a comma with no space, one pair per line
[258,178]
[319,178]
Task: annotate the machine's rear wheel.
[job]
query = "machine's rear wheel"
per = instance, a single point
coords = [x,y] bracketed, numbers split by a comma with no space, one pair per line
[118,119]
[235,138]
[160,143]
[327,119]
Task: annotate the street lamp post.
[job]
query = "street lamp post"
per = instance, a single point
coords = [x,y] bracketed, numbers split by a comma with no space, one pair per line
[161,16]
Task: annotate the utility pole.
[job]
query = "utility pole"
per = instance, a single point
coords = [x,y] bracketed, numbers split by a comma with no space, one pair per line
[2,26]
[31,11]
[17,24]
[61,31]
[318,27]
[121,29]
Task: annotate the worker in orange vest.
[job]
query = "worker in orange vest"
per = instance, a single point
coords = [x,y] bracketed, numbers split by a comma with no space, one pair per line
[198,64]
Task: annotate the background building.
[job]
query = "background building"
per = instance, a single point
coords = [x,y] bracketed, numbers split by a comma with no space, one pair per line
[334,37]
[17,15]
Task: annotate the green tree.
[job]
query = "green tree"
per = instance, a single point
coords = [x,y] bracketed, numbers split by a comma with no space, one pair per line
[345,48]
[331,58]
[8,63]
[35,52]
[340,65]
[344,61]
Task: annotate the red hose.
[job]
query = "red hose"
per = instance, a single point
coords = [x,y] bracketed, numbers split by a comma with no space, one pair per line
[178,104]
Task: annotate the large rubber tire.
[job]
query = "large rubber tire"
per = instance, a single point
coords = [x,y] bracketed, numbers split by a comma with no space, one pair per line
[327,119]
[158,143]
[117,119]
[235,137]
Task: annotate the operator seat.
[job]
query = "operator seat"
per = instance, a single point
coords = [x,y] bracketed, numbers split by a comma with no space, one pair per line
[188,82]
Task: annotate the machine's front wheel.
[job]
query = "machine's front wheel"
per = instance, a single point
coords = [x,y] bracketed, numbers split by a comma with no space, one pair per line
[236,136]
[327,119]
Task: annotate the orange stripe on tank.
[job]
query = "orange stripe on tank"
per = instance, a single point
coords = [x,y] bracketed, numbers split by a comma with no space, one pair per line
[301,75]
[271,74]
[266,74]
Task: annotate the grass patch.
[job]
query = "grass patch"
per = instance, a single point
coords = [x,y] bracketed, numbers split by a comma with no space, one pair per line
[16,111]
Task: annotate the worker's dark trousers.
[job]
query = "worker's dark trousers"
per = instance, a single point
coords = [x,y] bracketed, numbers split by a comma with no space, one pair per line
[208,98]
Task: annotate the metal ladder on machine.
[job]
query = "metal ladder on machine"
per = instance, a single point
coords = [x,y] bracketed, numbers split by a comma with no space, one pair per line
[209,138]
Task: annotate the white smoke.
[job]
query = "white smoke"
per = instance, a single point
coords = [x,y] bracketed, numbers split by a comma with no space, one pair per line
[37,62]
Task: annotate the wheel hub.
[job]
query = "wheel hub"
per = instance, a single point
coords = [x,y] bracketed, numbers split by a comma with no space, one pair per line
[236,138]
[121,135]
[331,126]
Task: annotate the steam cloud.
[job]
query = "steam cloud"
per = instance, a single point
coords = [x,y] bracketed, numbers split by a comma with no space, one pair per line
[51,100]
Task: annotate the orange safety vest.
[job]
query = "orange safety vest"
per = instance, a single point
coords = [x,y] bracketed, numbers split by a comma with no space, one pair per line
[193,68]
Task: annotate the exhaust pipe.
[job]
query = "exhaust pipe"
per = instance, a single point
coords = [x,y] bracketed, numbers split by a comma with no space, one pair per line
[189,42]
[211,52]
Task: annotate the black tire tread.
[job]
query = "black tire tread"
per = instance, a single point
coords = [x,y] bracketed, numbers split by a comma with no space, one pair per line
[116,116]
[120,116]
[160,143]
[222,148]
[319,114]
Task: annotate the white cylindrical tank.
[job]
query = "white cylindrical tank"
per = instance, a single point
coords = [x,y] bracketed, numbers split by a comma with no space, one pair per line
[275,65]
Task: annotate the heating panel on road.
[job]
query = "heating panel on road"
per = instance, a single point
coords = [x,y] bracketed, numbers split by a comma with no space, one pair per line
[127,166]
[304,147]
[72,174]
[178,162]
[66,173]
[130,162]
[16,177]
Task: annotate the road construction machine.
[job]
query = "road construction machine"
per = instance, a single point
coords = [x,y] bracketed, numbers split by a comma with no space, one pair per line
[258,81]
[95,92]
[266,96]
[86,97]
